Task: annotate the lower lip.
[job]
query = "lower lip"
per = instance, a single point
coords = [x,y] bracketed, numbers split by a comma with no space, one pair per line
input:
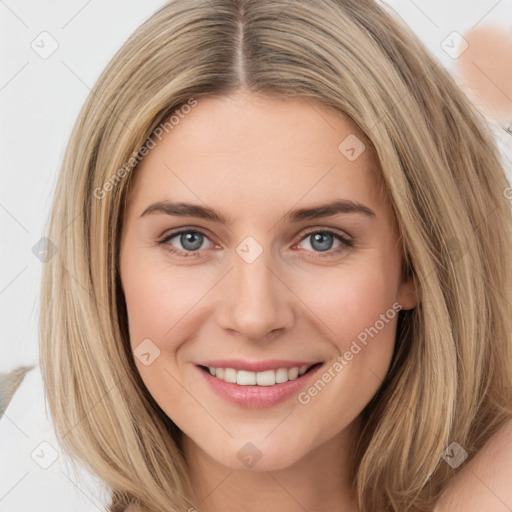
[257,396]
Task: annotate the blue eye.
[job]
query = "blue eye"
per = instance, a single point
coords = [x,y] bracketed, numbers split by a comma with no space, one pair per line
[321,241]
[191,241]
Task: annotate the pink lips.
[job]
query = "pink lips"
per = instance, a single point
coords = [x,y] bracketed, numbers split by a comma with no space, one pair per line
[257,396]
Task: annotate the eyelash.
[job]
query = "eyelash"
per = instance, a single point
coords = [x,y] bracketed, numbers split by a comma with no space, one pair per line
[346,243]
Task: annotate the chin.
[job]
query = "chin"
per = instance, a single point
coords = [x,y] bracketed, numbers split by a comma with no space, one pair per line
[259,454]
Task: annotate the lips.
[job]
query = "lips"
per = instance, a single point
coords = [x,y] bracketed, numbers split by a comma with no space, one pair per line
[257,396]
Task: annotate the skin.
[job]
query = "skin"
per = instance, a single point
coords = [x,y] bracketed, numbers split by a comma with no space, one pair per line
[254,160]
[486,72]
[483,482]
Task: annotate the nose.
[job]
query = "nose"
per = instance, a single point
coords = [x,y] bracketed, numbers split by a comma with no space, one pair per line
[256,301]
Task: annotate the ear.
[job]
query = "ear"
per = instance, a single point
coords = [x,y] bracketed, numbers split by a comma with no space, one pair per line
[408,294]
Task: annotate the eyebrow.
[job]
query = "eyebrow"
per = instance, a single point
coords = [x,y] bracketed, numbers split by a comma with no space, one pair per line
[315,212]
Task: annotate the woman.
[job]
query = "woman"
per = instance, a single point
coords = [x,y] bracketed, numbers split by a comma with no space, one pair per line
[282,279]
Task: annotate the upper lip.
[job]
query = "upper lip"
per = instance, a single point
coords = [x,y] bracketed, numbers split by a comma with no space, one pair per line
[256,366]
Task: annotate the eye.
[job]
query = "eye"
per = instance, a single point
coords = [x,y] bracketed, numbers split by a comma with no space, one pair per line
[190,239]
[322,241]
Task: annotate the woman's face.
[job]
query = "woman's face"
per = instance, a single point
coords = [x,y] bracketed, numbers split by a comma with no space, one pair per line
[282,279]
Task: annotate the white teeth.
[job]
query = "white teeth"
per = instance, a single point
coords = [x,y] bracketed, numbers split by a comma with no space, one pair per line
[230,375]
[293,373]
[281,375]
[266,378]
[303,369]
[245,378]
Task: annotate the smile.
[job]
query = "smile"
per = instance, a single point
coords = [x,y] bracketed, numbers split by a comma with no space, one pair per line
[265,378]
[261,389]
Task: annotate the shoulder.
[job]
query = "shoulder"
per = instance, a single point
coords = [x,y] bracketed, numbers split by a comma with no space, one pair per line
[484,482]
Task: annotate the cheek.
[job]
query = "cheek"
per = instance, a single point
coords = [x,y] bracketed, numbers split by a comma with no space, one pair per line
[361,312]
[161,302]
[358,305]
[158,298]
[351,299]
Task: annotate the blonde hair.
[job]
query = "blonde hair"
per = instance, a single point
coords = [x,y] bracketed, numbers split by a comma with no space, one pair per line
[450,378]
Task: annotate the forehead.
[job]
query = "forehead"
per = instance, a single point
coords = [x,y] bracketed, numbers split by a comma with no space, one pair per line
[243,151]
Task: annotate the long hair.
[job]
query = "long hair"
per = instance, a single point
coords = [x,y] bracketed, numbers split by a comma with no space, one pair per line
[450,378]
